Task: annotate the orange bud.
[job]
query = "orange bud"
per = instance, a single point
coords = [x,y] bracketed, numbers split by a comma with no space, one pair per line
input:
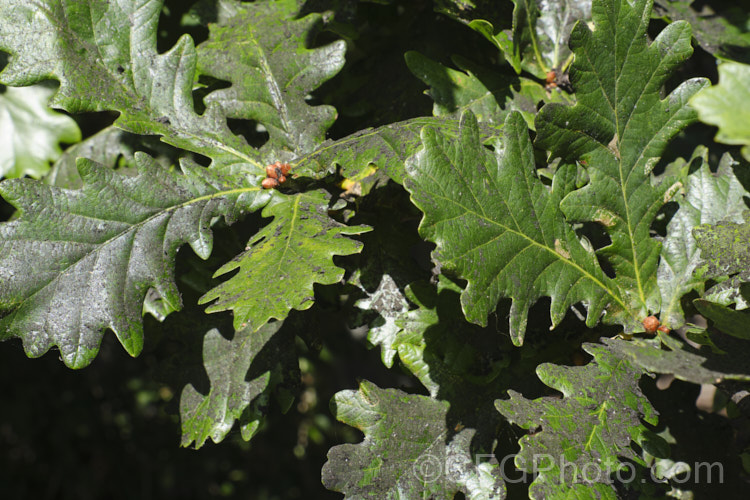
[269,183]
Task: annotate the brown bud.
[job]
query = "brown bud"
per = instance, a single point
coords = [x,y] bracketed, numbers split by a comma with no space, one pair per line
[273,169]
[651,324]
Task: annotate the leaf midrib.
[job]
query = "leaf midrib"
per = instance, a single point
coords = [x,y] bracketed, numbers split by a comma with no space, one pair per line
[72,265]
[133,98]
[618,158]
[571,263]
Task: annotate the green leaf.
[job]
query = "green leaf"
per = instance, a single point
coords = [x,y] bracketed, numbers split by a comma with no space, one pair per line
[385,266]
[262,51]
[32,132]
[104,56]
[283,260]
[729,321]
[111,147]
[500,39]
[78,262]
[389,304]
[430,347]
[499,227]
[727,360]
[456,361]
[553,27]
[465,11]
[408,450]
[709,198]
[618,129]
[725,248]
[538,41]
[525,14]
[244,372]
[489,95]
[456,91]
[387,147]
[719,32]
[487,17]
[727,105]
[579,441]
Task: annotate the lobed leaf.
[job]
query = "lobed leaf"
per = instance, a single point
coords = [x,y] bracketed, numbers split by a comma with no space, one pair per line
[283,261]
[553,27]
[456,91]
[79,261]
[389,304]
[500,228]
[705,365]
[727,106]
[111,147]
[618,128]
[580,441]
[730,321]
[716,27]
[709,198]
[243,372]
[538,39]
[31,132]
[387,147]
[408,450]
[262,51]
[104,56]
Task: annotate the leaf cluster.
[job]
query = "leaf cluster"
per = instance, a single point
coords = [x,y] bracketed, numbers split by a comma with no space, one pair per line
[551,188]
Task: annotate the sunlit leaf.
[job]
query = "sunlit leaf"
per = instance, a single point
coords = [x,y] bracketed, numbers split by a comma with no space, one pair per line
[500,228]
[408,450]
[618,129]
[30,132]
[244,372]
[727,105]
[283,261]
[578,442]
[77,262]
[709,198]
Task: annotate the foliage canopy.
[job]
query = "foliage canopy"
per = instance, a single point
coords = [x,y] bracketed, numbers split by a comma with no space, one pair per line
[558,178]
